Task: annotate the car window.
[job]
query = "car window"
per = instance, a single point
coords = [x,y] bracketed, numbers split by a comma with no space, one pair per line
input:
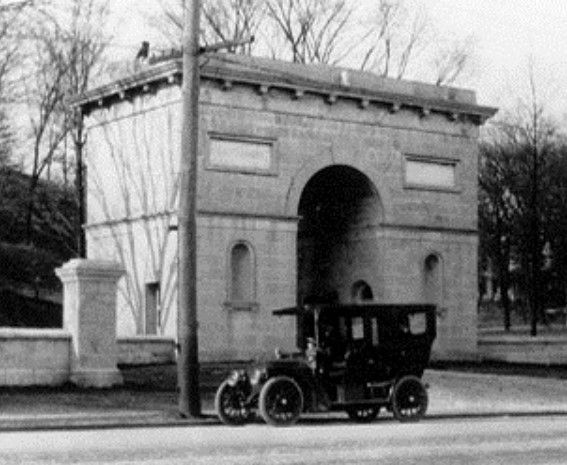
[343,328]
[417,323]
[357,328]
[375,333]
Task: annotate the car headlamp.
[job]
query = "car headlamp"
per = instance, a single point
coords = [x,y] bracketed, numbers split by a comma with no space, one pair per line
[258,376]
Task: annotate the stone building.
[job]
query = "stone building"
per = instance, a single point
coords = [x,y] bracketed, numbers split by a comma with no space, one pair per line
[314,183]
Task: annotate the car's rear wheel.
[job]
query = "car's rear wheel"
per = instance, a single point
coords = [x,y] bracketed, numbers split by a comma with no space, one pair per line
[363,414]
[230,404]
[409,399]
[281,401]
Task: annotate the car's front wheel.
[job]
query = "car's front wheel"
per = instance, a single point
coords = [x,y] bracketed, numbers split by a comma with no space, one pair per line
[281,401]
[230,404]
[409,399]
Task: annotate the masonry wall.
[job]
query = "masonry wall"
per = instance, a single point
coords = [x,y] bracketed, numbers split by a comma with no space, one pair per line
[232,331]
[34,357]
[260,209]
[42,357]
[415,222]
[132,164]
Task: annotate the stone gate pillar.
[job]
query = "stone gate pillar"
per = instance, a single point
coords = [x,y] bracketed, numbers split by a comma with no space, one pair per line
[89,314]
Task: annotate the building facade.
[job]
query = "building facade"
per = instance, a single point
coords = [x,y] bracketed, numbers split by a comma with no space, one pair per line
[313,183]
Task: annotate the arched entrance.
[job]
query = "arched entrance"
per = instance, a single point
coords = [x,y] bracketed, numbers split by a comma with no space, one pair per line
[339,212]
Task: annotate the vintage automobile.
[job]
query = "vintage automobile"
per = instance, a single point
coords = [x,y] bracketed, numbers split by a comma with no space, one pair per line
[357,358]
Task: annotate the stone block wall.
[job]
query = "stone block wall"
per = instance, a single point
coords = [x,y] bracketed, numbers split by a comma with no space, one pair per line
[42,357]
[239,332]
[34,357]
[287,136]
[145,350]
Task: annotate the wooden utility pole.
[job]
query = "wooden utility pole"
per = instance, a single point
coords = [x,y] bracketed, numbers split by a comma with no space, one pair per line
[188,356]
[535,291]
[535,294]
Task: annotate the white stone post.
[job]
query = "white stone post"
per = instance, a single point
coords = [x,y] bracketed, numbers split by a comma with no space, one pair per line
[89,314]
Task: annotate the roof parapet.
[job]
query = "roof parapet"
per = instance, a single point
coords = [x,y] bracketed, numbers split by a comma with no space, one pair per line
[331,84]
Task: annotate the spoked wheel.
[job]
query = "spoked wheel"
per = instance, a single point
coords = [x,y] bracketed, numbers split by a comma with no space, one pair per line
[230,404]
[409,399]
[363,414]
[281,401]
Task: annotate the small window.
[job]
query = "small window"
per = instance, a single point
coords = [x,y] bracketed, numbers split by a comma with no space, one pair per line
[357,328]
[431,263]
[362,292]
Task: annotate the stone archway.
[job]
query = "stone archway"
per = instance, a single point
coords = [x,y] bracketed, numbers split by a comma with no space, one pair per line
[340,211]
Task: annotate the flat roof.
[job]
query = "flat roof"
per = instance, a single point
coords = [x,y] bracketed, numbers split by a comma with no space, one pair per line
[330,82]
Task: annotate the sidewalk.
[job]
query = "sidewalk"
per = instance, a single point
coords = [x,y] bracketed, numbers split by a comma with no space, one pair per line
[153,401]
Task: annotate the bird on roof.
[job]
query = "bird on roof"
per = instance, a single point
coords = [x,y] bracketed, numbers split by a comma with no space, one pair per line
[144,51]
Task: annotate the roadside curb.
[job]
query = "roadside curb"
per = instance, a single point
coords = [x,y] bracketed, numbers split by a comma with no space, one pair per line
[137,420]
[496,414]
[107,420]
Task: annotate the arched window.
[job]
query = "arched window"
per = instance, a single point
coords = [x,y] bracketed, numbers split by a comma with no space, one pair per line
[242,276]
[361,292]
[433,280]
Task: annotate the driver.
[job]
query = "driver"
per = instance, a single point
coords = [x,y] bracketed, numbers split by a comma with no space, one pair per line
[332,343]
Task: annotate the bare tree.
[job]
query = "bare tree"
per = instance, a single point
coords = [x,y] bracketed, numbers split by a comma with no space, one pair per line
[522,201]
[7,51]
[222,21]
[394,38]
[309,31]
[10,15]
[170,23]
[67,46]
[451,62]
[303,31]
[234,21]
[6,141]
[384,37]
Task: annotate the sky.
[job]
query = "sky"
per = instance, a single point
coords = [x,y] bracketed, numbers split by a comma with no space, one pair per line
[511,37]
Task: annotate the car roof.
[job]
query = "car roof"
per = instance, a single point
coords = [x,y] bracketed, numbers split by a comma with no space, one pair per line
[357,309]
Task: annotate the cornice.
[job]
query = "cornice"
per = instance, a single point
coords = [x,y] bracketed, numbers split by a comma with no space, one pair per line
[263,78]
